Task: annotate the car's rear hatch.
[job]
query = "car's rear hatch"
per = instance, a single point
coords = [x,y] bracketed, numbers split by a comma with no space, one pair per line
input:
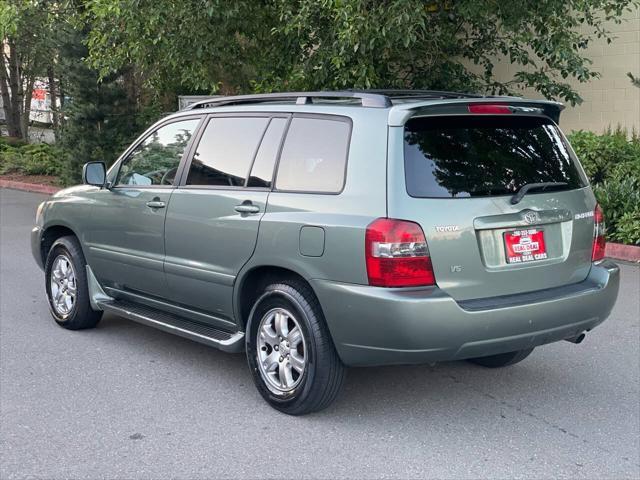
[456,176]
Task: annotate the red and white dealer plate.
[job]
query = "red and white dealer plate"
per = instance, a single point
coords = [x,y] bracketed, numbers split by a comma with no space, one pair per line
[525,245]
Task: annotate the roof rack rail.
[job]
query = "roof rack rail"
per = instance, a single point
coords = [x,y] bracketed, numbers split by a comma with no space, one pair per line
[367,99]
[392,92]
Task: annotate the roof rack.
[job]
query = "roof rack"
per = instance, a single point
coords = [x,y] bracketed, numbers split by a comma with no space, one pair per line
[403,93]
[367,99]
[376,98]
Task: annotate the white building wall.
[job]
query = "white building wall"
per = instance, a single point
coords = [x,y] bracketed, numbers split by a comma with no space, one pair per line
[612,99]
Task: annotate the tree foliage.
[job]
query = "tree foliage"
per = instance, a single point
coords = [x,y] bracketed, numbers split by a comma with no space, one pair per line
[27,29]
[191,45]
[612,161]
[100,116]
[237,46]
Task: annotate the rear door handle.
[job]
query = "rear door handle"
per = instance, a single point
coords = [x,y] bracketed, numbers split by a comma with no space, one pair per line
[156,204]
[247,207]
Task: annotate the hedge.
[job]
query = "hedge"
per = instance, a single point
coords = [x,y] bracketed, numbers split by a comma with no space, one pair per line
[30,159]
[612,162]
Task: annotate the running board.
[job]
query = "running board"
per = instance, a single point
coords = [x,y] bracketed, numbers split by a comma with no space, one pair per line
[167,322]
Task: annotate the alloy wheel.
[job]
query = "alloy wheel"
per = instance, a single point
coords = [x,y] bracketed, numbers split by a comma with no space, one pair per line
[281,349]
[63,285]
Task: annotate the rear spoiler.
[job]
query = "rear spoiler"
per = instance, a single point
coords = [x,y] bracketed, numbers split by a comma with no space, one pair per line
[398,115]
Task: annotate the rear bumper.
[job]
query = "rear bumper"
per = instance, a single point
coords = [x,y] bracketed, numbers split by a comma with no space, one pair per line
[379,326]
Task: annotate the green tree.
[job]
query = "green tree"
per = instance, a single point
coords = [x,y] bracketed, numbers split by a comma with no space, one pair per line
[198,46]
[26,32]
[237,46]
[442,44]
[100,117]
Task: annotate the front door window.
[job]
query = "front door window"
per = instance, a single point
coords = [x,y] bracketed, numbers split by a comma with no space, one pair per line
[155,160]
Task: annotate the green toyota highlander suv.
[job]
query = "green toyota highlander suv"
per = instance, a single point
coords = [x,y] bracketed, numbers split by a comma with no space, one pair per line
[321,230]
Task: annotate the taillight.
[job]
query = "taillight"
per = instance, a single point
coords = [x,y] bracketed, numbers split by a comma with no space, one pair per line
[599,228]
[397,255]
[487,108]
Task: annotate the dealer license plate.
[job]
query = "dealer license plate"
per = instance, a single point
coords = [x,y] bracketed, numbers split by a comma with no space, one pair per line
[525,245]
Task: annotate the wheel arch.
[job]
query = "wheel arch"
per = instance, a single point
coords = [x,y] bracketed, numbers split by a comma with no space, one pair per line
[250,284]
[50,234]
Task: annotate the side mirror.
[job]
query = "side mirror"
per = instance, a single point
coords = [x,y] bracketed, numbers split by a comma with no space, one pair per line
[94,173]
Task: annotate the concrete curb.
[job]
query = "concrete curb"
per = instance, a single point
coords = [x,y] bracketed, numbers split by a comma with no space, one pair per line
[28,187]
[618,251]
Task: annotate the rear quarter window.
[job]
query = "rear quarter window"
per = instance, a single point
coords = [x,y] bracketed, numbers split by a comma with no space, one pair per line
[225,152]
[473,156]
[314,155]
[262,169]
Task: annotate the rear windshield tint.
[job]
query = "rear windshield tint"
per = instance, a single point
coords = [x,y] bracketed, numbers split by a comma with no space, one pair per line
[467,156]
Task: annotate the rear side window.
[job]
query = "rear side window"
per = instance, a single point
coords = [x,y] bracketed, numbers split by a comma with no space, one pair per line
[314,155]
[262,169]
[225,152]
[467,156]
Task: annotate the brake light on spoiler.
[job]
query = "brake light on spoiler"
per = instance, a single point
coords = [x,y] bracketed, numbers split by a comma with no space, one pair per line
[501,109]
[486,108]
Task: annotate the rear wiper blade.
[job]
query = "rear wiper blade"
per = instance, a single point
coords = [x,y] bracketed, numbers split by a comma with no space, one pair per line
[534,186]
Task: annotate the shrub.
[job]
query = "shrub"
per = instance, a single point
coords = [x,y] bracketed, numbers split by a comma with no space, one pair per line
[612,162]
[42,159]
[626,170]
[32,159]
[620,199]
[600,155]
[11,160]
[11,142]
[627,228]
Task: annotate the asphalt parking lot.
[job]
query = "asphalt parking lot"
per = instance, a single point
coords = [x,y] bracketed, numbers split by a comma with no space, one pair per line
[127,401]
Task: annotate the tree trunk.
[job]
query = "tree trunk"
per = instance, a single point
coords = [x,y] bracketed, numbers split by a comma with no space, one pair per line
[53,95]
[26,108]
[16,89]
[4,93]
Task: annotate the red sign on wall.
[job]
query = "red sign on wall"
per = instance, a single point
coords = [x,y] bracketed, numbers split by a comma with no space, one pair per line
[39,94]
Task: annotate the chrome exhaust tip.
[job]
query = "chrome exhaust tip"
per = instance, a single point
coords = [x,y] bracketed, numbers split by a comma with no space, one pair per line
[577,339]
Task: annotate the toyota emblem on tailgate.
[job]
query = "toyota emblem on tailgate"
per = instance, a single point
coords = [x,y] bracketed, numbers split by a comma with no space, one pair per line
[531,217]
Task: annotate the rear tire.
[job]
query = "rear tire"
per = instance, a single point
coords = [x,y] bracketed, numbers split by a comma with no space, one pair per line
[290,353]
[502,359]
[66,285]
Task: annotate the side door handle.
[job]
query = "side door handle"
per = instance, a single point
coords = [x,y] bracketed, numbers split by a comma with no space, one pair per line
[156,203]
[247,207]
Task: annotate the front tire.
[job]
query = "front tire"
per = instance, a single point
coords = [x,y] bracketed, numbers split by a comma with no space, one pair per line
[289,350]
[66,285]
[502,359]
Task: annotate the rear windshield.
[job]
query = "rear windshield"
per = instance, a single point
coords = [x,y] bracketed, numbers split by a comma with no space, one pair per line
[469,156]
